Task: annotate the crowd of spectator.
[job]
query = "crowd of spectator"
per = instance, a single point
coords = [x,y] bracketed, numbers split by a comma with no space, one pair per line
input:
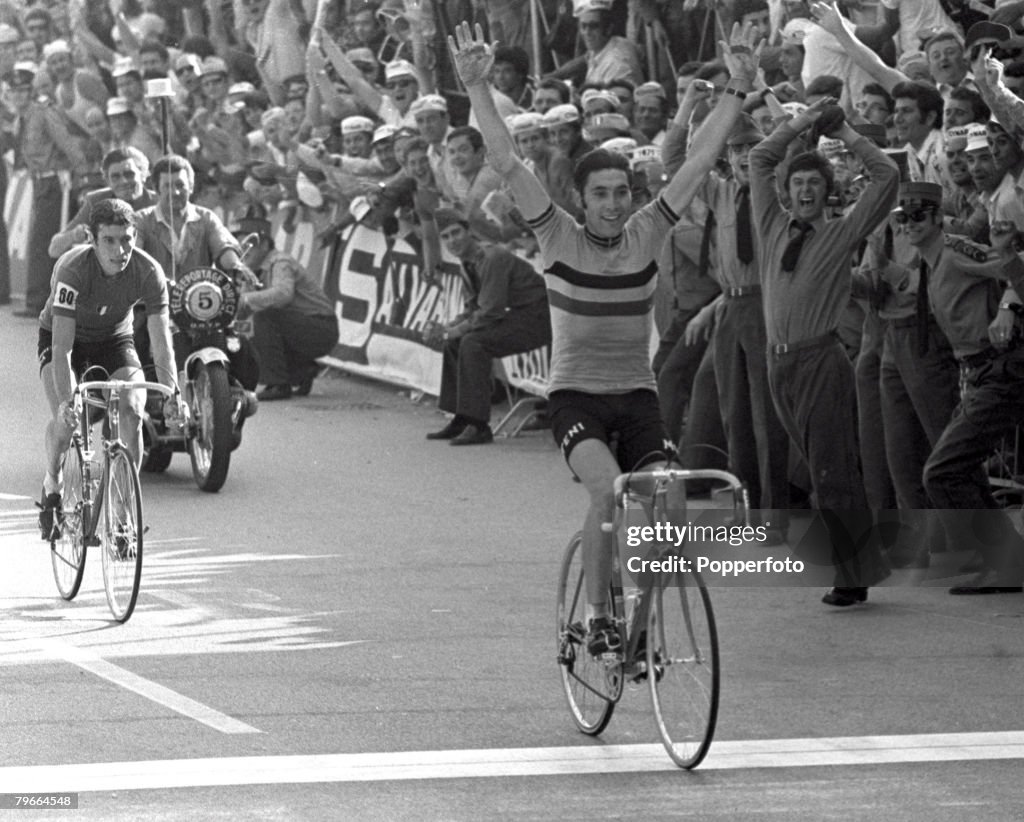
[351,108]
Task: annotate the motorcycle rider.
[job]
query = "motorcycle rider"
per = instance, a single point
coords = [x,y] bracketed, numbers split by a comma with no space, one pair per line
[181,236]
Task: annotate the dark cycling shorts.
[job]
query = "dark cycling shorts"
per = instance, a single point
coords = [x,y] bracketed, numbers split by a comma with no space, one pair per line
[110,354]
[634,417]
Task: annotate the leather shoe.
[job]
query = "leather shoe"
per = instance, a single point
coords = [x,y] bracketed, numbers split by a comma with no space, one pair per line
[449,432]
[275,392]
[844,597]
[473,435]
[303,388]
[987,582]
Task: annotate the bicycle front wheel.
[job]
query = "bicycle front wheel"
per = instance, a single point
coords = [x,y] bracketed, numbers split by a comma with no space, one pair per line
[121,534]
[591,687]
[67,552]
[682,665]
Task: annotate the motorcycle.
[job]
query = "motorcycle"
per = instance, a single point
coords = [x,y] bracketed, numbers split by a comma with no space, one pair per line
[203,307]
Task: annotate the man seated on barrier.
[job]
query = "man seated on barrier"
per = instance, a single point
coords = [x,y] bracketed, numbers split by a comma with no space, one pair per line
[294,321]
[86,323]
[506,313]
[601,280]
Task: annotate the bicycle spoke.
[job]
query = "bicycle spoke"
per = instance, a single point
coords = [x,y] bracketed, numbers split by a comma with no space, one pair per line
[682,653]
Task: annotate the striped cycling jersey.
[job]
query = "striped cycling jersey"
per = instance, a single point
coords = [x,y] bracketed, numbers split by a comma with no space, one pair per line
[601,292]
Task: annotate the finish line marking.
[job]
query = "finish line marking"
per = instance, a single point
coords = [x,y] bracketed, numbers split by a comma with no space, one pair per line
[95,664]
[418,765]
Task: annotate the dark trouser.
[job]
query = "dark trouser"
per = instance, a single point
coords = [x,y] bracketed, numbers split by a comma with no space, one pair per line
[954,475]
[703,444]
[288,343]
[46,206]
[813,390]
[468,360]
[758,444]
[5,259]
[919,395]
[675,366]
[877,481]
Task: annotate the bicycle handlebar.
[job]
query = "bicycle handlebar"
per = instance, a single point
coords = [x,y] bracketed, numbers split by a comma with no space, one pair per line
[739,490]
[678,474]
[82,389]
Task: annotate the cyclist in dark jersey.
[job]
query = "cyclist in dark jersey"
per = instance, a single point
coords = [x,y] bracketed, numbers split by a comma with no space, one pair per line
[87,321]
[601,280]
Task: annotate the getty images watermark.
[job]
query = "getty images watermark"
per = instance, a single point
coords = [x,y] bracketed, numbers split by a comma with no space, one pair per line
[809,548]
[661,537]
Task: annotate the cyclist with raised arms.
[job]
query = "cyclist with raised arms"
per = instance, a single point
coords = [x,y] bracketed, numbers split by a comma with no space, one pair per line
[601,280]
[87,321]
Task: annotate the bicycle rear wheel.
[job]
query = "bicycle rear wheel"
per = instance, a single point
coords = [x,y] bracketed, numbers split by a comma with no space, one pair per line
[121,533]
[683,667]
[591,687]
[67,553]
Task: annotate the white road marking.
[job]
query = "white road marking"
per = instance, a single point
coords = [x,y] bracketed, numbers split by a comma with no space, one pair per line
[460,764]
[8,497]
[95,664]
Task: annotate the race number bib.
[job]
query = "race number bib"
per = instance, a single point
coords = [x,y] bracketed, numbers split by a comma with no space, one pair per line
[66,297]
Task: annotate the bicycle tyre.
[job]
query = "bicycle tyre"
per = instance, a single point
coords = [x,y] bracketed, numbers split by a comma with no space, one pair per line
[121,533]
[210,447]
[591,688]
[683,667]
[67,553]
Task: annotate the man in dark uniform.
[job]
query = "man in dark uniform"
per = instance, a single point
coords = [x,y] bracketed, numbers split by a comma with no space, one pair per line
[805,265]
[919,376]
[964,295]
[45,146]
[758,444]
[506,313]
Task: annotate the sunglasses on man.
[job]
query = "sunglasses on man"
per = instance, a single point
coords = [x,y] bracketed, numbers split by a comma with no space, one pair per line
[918,215]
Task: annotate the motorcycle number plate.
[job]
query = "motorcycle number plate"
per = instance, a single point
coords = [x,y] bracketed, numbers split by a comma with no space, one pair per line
[204,300]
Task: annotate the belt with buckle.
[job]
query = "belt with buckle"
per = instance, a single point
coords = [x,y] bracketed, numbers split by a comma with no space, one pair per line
[741,291]
[802,345]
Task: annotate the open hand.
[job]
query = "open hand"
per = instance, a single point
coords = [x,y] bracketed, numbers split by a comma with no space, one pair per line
[473,56]
[742,53]
[828,16]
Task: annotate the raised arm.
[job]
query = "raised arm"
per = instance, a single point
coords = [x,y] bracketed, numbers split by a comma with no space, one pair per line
[741,58]
[473,57]
[828,16]
[1006,106]
[346,69]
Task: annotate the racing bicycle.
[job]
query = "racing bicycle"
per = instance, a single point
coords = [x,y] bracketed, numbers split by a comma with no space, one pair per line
[666,623]
[101,500]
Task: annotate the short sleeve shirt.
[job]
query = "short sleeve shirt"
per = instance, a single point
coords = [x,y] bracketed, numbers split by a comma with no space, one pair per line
[601,292]
[102,305]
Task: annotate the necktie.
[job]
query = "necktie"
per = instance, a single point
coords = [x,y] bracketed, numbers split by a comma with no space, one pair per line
[922,309]
[473,276]
[744,235]
[704,263]
[796,242]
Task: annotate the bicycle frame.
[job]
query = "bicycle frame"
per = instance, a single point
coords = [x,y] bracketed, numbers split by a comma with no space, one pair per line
[654,502]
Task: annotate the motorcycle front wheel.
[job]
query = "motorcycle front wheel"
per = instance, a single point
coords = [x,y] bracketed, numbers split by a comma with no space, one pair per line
[210,443]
